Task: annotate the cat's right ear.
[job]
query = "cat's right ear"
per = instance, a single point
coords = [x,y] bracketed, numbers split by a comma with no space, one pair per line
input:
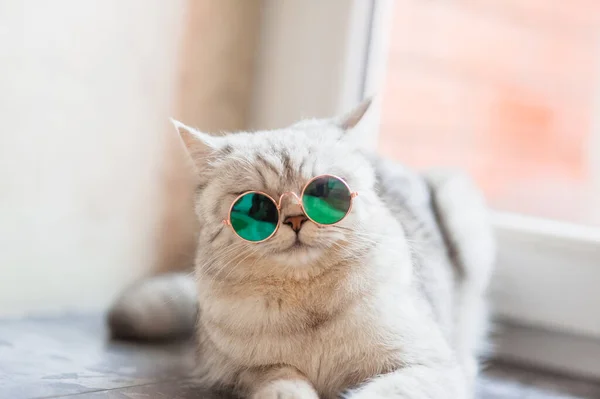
[199,145]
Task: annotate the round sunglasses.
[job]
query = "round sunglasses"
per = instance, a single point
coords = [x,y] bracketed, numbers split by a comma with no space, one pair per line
[255,216]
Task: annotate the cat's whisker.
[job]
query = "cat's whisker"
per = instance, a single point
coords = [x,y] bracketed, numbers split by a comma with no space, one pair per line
[218,254]
[225,258]
[378,235]
[342,248]
[240,262]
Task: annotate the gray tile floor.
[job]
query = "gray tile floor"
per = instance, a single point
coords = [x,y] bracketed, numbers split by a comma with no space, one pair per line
[72,357]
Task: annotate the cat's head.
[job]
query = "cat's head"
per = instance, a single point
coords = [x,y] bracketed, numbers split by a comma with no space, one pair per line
[277,162]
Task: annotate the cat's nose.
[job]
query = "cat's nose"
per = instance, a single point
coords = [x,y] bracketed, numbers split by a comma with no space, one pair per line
[295,222]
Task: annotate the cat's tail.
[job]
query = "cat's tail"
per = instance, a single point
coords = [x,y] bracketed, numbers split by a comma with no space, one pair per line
[157,308]
[464,221]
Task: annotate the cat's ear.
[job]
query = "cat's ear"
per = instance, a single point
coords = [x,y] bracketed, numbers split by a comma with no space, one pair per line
[198,144]
[360,124]
[352,119]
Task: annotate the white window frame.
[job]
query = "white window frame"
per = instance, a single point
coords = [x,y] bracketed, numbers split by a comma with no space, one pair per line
[545,289]
[290,83]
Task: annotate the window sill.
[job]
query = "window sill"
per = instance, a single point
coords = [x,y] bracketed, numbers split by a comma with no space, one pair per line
[546,292]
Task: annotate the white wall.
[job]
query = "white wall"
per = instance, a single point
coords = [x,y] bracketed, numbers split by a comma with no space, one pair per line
[85,91]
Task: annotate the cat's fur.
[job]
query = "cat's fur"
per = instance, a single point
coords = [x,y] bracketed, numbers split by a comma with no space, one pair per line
[387,304]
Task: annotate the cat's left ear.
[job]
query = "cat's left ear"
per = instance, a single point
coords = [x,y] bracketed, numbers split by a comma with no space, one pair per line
[360,124]
[353,119]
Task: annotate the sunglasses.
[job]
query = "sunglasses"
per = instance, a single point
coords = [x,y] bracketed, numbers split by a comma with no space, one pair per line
[255,216]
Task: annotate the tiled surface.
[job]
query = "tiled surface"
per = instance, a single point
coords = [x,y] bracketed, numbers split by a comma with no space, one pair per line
[72,357]
[506,89]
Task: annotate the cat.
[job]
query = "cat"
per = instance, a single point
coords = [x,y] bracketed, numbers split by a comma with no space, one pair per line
[389,303]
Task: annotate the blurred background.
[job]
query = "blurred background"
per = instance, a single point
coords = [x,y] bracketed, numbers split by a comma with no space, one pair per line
[507,89]
[93,189]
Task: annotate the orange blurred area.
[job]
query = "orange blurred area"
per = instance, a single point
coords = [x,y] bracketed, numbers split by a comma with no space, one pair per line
[505,89]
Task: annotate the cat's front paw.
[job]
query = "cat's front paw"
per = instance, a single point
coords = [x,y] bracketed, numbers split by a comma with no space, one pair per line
[286,389]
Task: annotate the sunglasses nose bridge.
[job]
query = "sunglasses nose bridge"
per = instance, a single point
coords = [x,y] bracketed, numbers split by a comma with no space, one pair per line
[295,196]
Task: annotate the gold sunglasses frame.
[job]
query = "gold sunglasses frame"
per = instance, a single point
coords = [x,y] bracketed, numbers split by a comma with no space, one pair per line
[353,194]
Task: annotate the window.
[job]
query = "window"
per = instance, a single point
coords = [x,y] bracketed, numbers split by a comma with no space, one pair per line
[509,91]
[504,89]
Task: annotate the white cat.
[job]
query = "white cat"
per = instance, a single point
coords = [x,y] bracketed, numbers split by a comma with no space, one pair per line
[389,303]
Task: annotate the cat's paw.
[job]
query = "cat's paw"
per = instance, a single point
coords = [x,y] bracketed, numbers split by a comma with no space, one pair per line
[286,389]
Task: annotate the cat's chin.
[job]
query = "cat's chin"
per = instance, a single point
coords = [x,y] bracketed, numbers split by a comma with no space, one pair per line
[298,254]
[292,245]
[297,246]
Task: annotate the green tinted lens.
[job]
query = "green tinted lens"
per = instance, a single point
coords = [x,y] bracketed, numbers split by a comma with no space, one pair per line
[326,200]
[254,217]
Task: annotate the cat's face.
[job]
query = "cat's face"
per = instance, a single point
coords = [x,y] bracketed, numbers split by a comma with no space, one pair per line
[277,162]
